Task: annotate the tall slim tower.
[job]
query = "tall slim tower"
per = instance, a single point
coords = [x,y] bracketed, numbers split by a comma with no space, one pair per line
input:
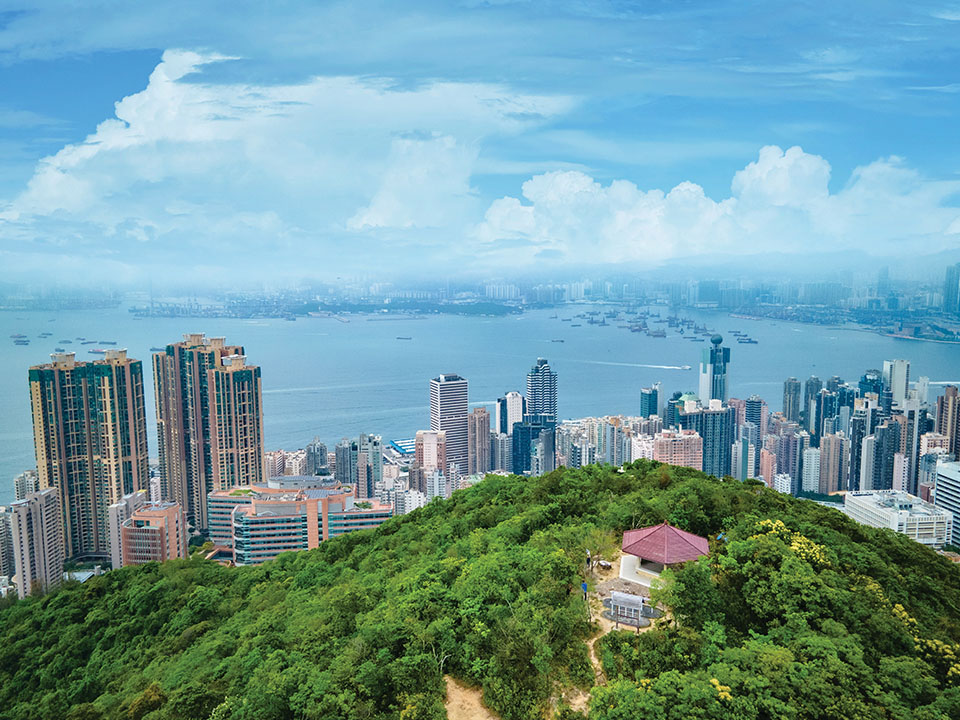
[713,371]
[37,542]
[90,438]
[791,399]
[478,441]
[183,420]
[542,390]
[896,377]
[448,412]
[236,424]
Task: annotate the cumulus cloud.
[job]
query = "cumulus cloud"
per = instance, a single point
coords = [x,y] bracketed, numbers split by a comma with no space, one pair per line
[213,171]
[781,201]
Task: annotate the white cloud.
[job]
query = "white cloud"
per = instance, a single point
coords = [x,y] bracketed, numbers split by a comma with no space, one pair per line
[779,202]
[279,172]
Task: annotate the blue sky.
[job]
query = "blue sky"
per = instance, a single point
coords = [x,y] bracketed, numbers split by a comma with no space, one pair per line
[251,140]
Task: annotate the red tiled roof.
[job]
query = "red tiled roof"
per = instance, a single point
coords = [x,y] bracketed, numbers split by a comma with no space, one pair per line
[664,544]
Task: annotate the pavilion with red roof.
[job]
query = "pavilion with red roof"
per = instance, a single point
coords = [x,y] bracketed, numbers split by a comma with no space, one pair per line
[647,551]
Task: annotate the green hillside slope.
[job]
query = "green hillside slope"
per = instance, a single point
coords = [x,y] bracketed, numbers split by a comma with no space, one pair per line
[797,613]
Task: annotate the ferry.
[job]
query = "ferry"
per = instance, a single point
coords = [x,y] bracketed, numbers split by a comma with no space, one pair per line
[17,336]
[156,349]
[576,325]
[21,342]
[657,333]
[108,342]
[747,341]
[556,341]
[66,342]
[59,350]
[404,337]
[685,367]
[97,351]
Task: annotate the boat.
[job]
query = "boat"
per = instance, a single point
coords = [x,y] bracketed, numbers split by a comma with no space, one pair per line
[59,350]
[80,338]
[566,319]
[685,367]
[17,336]
[158,349]
[66,342]
[657,333]
[97,351]
[576,325]
[21,342]
[404,337]
[556,341]
[108,342]
[747,341]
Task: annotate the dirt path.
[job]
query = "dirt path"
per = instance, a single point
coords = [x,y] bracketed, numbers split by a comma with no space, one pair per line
[465,703]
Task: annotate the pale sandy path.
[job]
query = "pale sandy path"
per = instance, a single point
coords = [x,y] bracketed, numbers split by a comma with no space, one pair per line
[465,703]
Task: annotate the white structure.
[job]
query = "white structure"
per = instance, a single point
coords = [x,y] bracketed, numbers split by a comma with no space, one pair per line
[508,412]
[896,376]
[37,542]
[810,481]
[448,412]
[641,447]
[902,513]
[782,482]
[118,513]
[868,446]
[946,493]
[25,483]
[901,471]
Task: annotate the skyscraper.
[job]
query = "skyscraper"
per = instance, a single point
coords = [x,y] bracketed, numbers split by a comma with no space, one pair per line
[542,390]
[948,418]
[478,442]
[717,425]
[25,483]
[235,418]
[360,463]
[791,399]
[90,437]
[713,372]
[650,401]
[448,412]
[951,290]
[811,387]
[871,381]
[525,445]
[183,420]
[834,463]
[510,410]
[38,547]
[896,377]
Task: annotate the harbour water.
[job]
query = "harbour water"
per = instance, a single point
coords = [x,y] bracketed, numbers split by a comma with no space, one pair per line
[328,378]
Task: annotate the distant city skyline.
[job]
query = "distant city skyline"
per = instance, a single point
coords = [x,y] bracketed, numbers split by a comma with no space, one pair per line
[143,142]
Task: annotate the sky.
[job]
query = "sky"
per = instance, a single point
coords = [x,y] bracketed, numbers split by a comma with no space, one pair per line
[239,142]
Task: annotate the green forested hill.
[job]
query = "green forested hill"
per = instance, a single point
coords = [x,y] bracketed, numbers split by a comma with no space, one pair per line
[797,613]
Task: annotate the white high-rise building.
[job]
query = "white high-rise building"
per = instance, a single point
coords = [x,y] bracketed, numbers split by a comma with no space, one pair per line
[448,412]
[25,483]
[37,538]
[782,483]
[896,376]
[509,411]
[946,493]
[811,470]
